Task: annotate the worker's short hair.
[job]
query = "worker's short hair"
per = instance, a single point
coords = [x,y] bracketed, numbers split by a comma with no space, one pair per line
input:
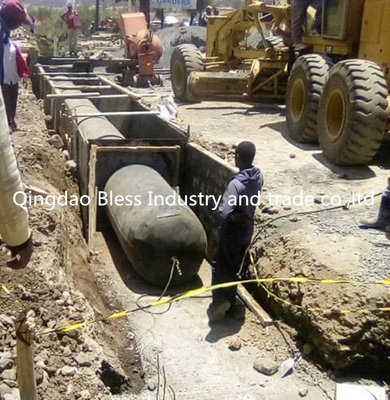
[246,151]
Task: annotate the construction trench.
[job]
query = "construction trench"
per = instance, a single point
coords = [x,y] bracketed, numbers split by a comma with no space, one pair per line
[107,130]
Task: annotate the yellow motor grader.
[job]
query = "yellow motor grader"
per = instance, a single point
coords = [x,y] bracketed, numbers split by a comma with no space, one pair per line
[336,90]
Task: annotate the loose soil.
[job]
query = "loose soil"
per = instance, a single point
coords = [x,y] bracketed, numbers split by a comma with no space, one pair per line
[59,286]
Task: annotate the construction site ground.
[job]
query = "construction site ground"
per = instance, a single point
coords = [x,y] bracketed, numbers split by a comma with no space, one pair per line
[65,282]
[176,354]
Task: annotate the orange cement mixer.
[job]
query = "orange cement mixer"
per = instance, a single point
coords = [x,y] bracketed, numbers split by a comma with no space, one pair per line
[143,45]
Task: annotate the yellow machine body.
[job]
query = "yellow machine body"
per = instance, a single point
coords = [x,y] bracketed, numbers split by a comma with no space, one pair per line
[349,62]
[375,34]
[351,29]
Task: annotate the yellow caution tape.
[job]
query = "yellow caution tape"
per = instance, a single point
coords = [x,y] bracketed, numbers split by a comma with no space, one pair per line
[73,327]
[120,314]
[259,281]
[5,289]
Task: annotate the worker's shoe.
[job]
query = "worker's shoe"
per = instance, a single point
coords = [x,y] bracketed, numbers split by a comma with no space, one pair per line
[314,32]
[382,221]
[217,311]
[237,310]
[12,126]
[300,46]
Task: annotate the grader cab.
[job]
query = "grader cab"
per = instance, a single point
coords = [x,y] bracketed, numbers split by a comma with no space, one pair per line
[336,90]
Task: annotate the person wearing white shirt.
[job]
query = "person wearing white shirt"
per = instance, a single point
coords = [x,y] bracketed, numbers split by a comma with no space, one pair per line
[12,15]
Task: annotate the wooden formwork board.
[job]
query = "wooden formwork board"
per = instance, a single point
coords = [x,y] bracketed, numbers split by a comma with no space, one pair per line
[77,74]
[74,79]
[50,62]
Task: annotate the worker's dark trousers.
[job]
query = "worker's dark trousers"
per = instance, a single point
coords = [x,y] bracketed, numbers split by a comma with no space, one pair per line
[299,13]
[10,95]
[232,247]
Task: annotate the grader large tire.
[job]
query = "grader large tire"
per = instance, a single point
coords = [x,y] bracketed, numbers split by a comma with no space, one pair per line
[352,116]
[305,84]
[185,59]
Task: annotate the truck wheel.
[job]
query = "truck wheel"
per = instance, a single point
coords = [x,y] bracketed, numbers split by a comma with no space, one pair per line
[185,59]
[352,115]
[305,84]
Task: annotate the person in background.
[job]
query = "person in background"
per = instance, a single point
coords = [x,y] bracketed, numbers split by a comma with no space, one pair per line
[205,16]
[236,213]
[192,17]
[12,15]
[298,18]
[71,18]
[14,226]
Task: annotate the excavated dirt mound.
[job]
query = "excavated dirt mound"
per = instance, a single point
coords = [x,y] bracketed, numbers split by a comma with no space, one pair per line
[57,285]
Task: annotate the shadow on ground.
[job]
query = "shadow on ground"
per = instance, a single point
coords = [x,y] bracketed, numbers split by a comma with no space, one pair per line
[243,109]
[381,159]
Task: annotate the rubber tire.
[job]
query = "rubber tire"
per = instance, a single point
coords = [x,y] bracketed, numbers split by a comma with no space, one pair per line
[313,71]
[363,87]
[185,59]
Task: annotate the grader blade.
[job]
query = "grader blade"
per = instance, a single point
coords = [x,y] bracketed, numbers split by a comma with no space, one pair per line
[217,85]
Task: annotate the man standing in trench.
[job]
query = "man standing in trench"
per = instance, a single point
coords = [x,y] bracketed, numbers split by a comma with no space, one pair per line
[236,213]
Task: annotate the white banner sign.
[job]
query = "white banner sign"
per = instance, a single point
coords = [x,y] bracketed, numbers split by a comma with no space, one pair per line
[167,4]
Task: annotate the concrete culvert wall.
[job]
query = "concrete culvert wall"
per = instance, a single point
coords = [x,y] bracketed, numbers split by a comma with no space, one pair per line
[150,233]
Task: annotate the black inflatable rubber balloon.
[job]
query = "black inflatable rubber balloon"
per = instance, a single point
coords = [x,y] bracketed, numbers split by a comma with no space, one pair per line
[152,234]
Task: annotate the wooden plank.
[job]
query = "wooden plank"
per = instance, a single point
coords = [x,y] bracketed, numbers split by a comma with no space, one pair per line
[86,95]
[121,89]
[254,306]
[133,95]
[35,190]
[114,113]
[112,96]
[73,95]
[82,87]
[25,358]
[141,149]
[107,48]
[87,74]
[92,195]
[177,166]
[58,66]
[76,79]
[61,62]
